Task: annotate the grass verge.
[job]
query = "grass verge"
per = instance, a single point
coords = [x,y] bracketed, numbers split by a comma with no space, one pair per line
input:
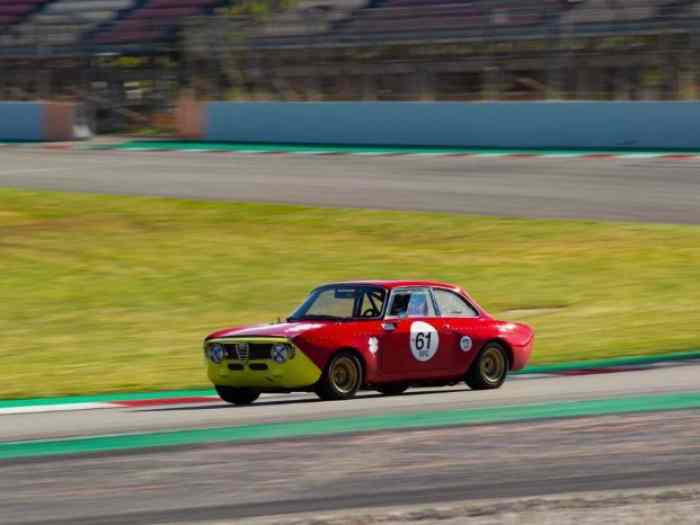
[104,293]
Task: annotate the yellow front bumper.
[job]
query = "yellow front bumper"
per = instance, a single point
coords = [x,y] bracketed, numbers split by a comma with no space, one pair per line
[298,372]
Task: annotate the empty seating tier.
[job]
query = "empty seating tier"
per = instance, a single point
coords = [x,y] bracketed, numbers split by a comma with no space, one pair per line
[140,22]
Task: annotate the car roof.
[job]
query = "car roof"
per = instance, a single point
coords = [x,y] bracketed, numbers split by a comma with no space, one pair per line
[395,283]
[390,284]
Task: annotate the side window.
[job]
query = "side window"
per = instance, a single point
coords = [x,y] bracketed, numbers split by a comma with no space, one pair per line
[452,305]
[412,303]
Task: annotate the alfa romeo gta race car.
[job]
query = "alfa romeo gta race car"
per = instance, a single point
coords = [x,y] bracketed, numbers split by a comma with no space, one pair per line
[381,335]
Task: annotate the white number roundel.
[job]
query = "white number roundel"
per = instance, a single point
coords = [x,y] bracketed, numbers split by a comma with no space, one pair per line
[424,341]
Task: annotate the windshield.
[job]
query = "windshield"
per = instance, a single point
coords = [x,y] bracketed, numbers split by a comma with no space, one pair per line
[337,303]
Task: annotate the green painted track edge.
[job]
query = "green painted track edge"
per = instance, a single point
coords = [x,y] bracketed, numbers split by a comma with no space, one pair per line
[170,394]
[335,426]
[614,362]
[180,145]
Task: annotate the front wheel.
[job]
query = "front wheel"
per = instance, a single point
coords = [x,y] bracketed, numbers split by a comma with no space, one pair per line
[237,396]
[489,369]
[341,379]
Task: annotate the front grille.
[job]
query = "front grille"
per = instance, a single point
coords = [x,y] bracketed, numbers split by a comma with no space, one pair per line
[242,351]
[247,351]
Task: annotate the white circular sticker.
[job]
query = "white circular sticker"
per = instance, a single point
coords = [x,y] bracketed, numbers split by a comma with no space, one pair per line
[373,344]
[465,344]
[424,341]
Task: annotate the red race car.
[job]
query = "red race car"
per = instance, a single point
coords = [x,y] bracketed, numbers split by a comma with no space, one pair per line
[381,335]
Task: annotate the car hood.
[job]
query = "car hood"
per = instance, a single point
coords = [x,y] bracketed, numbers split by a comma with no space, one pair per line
[288,330]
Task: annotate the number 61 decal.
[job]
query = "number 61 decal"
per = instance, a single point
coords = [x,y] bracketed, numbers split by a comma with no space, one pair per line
[424,341]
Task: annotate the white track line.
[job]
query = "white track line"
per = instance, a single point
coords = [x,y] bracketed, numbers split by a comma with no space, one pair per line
[63,407]
[639,155]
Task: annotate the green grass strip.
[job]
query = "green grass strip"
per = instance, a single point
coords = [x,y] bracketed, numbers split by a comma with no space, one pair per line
[122,305]
[417,420]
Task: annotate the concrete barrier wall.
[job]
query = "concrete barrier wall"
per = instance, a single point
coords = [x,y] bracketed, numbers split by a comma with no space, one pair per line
[21,121]
[631,125]
[37,121]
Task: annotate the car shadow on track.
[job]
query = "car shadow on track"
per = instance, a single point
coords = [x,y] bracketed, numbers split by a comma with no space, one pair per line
[220,406]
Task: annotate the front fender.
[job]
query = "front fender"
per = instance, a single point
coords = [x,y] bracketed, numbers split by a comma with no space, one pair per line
[321,349]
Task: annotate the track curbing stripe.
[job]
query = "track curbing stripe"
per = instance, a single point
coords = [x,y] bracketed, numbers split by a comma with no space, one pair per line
[309,149]
[160,146]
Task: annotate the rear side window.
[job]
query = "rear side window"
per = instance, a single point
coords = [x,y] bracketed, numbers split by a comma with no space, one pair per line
[452,305]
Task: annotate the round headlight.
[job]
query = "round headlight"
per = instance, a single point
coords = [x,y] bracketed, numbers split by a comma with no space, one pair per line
[216,354]
[280,353]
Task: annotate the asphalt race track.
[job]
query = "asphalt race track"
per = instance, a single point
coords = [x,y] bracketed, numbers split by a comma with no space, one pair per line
[624,189]
[232,481]
[226,482]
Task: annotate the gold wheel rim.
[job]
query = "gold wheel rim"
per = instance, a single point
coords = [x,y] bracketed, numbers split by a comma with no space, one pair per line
[492,365]
[344,375]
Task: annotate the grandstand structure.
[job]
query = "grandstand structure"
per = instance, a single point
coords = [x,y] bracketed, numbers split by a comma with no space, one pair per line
[122,50]
[474,50]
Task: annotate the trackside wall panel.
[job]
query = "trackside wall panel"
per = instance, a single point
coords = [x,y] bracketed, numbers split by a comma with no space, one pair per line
[58,121]
[621,125]
[21,121]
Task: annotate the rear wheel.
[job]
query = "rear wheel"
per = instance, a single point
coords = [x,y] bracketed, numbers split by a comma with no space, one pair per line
[237,396]
[489,369]
[392,389]
[341,379]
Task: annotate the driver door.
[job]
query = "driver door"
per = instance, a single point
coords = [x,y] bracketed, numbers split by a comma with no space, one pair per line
[413,344]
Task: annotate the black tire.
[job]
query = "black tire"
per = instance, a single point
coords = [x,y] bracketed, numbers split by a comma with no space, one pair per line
[237,396]
[341,379]
[392,389]
[489,369]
